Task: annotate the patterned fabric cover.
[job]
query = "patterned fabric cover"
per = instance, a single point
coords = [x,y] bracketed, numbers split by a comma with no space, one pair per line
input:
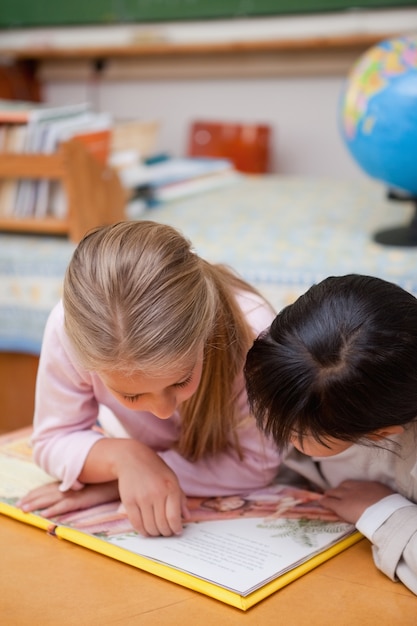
[282,234]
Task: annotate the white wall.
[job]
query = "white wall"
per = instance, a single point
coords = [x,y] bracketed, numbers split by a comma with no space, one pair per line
[302,111]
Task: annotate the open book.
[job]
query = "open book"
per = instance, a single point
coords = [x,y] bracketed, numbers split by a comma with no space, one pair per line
[237,549]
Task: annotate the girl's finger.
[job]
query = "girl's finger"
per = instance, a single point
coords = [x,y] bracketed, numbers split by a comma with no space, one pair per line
[135,518]
[174,512]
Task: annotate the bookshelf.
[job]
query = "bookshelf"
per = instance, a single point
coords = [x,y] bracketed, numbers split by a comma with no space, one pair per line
[94,192]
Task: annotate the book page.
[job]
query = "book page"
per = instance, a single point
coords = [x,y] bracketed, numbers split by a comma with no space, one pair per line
[18,473]
[239,549]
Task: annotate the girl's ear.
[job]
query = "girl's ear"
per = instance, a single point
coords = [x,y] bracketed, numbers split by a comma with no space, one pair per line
[386,431]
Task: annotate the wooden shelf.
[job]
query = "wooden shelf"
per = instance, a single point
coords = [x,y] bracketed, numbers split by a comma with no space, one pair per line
[165,48]
[162,59]
[94,192]
[32,166]
[46,226]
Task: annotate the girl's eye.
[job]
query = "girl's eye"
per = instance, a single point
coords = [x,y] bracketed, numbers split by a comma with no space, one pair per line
[181,384]
[185,382]
[130,398]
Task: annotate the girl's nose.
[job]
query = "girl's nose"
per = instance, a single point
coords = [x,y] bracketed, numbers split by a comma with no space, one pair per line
[164,405]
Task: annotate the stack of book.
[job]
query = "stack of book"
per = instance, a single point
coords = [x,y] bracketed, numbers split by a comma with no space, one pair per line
[36,128]
[163,179]
[149,179]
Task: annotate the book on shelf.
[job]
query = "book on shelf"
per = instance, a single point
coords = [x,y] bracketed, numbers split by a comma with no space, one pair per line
[22,112]
[237,549]
[94,132]
[178,177]
[36,120]
[12,141]
[42,129]
[184,188]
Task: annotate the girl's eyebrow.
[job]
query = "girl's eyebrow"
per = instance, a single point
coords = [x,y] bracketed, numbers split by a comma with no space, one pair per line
[188,374]
[122,393]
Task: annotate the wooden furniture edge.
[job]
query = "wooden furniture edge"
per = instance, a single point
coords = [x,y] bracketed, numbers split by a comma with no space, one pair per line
[17,394]
[95,194]
[45,226]
[163,48]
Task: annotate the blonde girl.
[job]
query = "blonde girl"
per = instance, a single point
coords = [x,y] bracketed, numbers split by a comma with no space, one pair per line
[154,337]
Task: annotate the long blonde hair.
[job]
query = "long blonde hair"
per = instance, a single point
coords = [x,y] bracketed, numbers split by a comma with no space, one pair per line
[138,299]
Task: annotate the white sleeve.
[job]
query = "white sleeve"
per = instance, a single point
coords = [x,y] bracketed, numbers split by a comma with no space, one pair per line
[374,516]
[391,526]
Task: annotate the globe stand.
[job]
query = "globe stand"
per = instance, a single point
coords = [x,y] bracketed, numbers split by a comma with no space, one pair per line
[402,235]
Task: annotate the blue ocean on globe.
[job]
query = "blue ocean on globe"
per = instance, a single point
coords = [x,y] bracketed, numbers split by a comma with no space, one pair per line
[378,113]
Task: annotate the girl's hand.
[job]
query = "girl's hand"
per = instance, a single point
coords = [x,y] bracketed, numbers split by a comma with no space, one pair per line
[149,490]
[52,502]
[352,497]
[151,495]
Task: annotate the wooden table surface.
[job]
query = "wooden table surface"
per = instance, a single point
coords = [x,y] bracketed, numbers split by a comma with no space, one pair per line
[47,581]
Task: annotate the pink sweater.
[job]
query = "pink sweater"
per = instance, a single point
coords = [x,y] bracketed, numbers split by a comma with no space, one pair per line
[68,400]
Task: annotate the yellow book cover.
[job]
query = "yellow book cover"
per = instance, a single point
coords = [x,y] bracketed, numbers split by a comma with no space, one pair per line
[237,549]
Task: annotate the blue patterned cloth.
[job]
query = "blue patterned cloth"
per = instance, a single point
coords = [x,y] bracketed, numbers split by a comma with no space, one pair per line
[282,234]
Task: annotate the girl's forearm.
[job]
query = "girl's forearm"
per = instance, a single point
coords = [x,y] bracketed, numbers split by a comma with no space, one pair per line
[108,456]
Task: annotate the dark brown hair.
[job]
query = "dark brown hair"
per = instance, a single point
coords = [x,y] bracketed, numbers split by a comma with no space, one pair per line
[340,362]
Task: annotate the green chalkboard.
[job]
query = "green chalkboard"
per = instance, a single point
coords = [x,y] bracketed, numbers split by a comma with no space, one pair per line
[32,13]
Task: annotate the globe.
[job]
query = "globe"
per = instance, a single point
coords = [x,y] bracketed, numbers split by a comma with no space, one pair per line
[378,122]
